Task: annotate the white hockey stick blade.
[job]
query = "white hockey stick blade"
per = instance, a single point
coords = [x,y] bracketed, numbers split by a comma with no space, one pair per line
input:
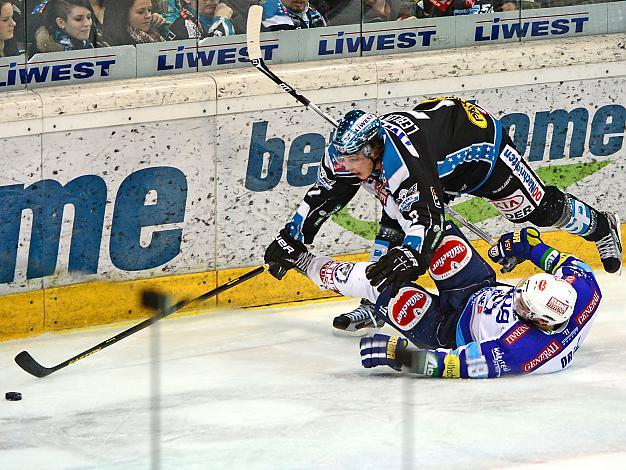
[253,31]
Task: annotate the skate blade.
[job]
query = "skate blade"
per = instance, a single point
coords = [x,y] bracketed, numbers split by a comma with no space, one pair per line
[356,333]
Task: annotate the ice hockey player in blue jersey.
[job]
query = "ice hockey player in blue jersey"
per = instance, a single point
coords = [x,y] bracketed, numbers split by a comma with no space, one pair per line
[475,327]
[414,162]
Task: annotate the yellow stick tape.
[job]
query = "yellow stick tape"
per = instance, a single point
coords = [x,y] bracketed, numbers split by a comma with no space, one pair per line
[98,303]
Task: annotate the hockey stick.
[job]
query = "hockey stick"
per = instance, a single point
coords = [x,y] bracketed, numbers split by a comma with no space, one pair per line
[509,263]
[253,39]
[30,365]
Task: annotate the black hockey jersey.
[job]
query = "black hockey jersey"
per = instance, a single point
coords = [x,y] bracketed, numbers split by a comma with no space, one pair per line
[441,148]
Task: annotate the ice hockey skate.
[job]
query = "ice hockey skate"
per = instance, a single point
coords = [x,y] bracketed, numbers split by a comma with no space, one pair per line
[361,317]
[610,246]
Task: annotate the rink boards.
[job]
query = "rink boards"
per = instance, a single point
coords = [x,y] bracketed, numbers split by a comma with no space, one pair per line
[180,183]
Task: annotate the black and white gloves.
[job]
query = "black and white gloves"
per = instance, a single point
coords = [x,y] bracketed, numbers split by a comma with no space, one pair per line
[284,253]
[401,264]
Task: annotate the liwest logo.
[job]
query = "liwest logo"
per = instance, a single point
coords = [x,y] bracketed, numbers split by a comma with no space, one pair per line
[342,42]
[191,58]
[554,25]
[46,200]
[24,74]
[269,156]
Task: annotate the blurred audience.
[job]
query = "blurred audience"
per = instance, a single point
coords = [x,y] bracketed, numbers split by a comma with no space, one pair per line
[382,10]
[202,19]
[290,14]
[240,13]
[436,8]
[130,22]
[344,12]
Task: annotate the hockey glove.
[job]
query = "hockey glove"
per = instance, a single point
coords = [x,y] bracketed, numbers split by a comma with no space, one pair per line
[284,253]
[516,244]
[401,264]
[383,350]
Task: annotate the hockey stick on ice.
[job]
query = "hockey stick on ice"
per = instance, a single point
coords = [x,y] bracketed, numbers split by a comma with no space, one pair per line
[509,263]
[150,298]
[253,39]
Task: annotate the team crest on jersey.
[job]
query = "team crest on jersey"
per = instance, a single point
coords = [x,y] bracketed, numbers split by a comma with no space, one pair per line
[450,257]
[408,307]
[475,114]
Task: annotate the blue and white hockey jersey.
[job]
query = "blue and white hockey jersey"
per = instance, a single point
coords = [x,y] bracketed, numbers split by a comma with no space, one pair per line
[493,342]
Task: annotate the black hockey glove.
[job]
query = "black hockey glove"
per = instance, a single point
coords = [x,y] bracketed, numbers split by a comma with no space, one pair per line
[401,264]
[284,253]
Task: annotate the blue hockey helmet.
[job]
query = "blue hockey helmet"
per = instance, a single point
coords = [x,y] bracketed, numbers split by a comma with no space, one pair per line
[355,130]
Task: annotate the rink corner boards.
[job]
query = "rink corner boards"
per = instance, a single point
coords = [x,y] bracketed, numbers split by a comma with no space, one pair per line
[103,302]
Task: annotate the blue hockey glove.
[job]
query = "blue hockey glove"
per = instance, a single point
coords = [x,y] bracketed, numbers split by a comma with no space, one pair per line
[516,244]
[401,264]
[284,253]
[382,350]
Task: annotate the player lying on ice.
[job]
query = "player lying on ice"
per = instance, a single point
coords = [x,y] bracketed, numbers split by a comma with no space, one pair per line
[416,160]
[476,327]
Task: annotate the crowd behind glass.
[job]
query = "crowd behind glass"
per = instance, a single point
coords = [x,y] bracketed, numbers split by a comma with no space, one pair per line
[32,27]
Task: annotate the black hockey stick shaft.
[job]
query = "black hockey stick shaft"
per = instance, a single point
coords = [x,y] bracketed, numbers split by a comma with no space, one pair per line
[253,40]
[30,365]
[260,65]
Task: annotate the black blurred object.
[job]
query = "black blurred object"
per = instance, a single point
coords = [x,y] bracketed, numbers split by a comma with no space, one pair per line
[153,299]
[13,396]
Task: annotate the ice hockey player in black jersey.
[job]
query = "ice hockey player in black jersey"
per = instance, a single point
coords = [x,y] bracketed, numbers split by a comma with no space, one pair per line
[416,161]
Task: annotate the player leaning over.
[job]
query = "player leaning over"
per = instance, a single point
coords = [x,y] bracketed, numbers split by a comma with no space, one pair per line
[475,327]
[414,161]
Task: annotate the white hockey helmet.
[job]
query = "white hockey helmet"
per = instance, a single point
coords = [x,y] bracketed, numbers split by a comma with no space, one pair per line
[544,299]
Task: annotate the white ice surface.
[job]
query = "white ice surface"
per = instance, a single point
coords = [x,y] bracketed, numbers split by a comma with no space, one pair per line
[276,389]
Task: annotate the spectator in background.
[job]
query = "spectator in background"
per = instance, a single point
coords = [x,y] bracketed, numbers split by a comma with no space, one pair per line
[349,12]
[382,10]
[240,13]
[280,15]
[67,25]
[8,44]
[202,19]
[130,22]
